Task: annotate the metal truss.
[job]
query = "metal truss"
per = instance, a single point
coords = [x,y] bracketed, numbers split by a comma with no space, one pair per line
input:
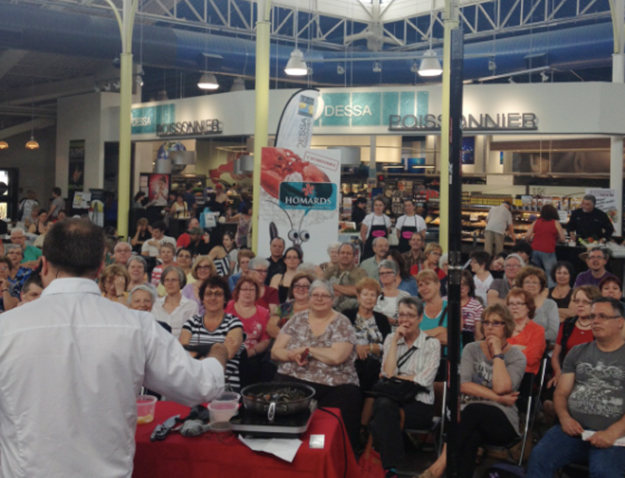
[238,17]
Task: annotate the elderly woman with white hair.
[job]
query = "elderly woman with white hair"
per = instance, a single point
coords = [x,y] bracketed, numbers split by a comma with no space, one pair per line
[333,252]
[137,270]
[316,347]
[388,299]
[268,298]
[174,309]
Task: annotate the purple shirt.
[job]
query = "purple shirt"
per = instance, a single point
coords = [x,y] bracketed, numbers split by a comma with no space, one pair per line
[586,278]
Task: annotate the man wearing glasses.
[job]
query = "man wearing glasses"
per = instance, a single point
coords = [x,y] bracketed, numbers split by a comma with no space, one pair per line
[499,288]
[589,401]
[596,259]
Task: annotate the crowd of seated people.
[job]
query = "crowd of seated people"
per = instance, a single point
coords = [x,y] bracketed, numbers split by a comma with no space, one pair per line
[341,325]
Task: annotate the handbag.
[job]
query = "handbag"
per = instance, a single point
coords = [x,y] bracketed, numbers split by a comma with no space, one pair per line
[402,391]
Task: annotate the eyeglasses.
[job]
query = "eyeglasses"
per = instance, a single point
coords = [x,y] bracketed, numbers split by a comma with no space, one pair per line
[170,280]
[531,282]
[603,317]
[4,269]
[248,289]
[203,268]
[407,315]
[582,302]
[292,258]
[493,323]
[516,304]
[261,271]
[301,287]
[436,253]
[386,274]
[321,296]
[216,293]
[512,266]
[595,257]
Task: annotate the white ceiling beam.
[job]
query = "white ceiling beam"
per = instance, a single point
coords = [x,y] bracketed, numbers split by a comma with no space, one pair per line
[9,59]
[25,127]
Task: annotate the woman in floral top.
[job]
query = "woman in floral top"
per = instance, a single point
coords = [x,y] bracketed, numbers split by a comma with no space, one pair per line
[317,348]
[297,302]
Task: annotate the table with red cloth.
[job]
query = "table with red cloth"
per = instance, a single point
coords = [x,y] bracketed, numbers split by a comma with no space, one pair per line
[223,455]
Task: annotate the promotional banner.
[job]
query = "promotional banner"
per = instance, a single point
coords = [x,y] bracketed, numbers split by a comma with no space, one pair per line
[297,120]
[606,202]
[299,200]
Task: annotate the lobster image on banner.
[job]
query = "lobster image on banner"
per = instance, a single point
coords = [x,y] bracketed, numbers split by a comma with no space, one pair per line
[299,199]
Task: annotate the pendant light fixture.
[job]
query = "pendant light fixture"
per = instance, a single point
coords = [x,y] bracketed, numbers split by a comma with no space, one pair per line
[296,66]
[430,66]
[208,81]
[32,144]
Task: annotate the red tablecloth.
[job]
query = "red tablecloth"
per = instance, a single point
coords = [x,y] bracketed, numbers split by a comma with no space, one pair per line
[211,455]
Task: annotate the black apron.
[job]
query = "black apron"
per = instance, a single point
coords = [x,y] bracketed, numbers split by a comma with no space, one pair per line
[405,234]
[378,230]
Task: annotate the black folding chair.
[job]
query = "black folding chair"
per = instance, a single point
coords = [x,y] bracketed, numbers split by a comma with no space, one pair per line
[524,405]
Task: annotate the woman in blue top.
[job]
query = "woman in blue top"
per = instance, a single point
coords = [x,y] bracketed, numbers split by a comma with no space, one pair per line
[435,314]
[405,281]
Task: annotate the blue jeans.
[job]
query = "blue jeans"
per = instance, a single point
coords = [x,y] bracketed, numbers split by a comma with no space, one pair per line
[557,449]
[546,261]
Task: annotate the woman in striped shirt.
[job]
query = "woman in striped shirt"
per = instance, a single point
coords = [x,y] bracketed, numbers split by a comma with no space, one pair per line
[215,326]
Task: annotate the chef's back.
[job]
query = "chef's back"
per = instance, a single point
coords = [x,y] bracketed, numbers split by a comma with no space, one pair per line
[72,363]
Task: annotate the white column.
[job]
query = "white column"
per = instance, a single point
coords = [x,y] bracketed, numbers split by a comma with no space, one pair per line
[616,149]
[372,150]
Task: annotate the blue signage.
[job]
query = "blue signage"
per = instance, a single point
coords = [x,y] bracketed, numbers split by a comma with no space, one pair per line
[146,119]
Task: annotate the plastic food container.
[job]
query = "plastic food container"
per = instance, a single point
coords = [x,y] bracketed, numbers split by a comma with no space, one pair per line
[222,411]
[145,409]
[228,397]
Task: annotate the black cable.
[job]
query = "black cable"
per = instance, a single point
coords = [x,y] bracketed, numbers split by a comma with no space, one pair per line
[343,433]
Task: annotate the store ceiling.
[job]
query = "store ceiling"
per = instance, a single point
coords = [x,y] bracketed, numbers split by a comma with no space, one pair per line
[349,27]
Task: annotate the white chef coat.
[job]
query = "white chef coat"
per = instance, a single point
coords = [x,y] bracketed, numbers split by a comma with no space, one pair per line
[72,365]
[154,251]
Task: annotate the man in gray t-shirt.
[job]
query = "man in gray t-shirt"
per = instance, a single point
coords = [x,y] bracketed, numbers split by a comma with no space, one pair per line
[57,204]
[590,397]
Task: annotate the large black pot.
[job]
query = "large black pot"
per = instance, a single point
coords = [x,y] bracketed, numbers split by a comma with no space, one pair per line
[272,408]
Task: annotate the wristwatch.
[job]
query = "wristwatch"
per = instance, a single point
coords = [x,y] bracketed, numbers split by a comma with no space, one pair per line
[501,356]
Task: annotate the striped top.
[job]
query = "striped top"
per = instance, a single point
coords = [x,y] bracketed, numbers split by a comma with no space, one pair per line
[201,335]
[223,266]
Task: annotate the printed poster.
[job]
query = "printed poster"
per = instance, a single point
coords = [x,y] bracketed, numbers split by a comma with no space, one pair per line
[606,202]
[76,165]
[299,200]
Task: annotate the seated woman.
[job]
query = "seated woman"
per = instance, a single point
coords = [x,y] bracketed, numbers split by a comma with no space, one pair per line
[432,254]
[317,348]
[534,281]
[528,336]
[174,309]
[254,319]
[40,226]
[282,282]
[137,268]
[404,280]
[298,301]
[573,331]
[244,256]
[611,286]
[142,234]
[221,258]
[257,269]
[17,273]
[371,329]
[215,326]
[490,375]
[167,257]
[333,253]
[113,283]
[184,260]
[471,309]
[202,269]
[409,354]
[143,297]
[563,276]
[390,296]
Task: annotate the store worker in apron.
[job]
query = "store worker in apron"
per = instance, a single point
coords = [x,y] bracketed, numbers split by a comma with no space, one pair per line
[375,224]
[407,225]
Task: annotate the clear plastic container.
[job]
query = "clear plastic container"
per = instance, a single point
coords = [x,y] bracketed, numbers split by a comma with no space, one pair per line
[145,409]
[222,411]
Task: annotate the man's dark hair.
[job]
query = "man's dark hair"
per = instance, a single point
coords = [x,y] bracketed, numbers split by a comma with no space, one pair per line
[481,257]
[522,246]
[160,225]
[590,197]
[360,201]
[74,246]
[617,305]
[188,187]
[216,282]
[33,279]
[57,191]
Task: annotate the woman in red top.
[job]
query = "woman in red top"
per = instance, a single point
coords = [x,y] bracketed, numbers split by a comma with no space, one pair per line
[543,234]
[528,336]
